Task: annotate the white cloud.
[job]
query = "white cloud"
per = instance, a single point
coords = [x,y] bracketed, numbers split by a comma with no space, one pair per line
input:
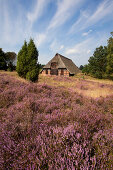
[104,9]
[61,47]
[13,29]
[86,33]
[40,38]
[88,51]
[86,19]
[79,23]
[65,10]
[78,48]
[56,46]
[72,51]
[38,10]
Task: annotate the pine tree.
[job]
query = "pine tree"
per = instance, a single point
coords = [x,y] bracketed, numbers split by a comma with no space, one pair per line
[27,66]
[109,68]
[22,68]
[32,59]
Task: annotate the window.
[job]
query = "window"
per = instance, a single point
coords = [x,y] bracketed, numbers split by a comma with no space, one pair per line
[53,65]
[46,71]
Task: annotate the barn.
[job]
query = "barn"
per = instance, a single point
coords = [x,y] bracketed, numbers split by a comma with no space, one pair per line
[61,66]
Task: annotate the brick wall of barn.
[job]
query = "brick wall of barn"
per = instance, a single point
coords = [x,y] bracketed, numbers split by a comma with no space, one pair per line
[61,72]
[45,72]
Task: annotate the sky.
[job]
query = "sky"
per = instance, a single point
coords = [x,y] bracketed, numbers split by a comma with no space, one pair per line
[73,28]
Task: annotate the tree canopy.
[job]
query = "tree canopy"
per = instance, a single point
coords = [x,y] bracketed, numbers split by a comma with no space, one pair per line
[3,64]
[21,61]
[11,60]
[27,61]
[109,68]
[10,57]
[97,63]
[100,65]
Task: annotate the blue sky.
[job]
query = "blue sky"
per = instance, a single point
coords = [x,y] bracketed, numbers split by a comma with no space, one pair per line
[73,28]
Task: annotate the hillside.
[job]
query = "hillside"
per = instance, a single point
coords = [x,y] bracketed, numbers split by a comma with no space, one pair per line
[58,123]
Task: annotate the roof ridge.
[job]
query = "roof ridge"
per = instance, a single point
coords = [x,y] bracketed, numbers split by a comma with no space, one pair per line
[63,56]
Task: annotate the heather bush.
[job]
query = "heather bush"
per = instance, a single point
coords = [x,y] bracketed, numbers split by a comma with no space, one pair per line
[45,127]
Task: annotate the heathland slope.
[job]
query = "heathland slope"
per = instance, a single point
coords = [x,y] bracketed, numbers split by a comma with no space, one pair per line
[55,126]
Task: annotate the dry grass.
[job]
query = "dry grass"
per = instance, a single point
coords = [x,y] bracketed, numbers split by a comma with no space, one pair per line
[86,86]
[86,77]
[81,84]
[14,75]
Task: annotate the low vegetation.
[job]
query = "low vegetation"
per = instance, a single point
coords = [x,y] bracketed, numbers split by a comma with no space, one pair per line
[54,124]
[82,84]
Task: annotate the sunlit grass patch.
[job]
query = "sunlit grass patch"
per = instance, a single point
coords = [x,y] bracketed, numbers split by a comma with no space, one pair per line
[87,87]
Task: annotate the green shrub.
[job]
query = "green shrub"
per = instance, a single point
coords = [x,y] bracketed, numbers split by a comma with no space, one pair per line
[32,75]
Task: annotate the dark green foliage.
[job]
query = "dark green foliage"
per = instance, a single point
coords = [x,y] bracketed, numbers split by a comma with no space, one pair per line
[40,66]
[27,59]
[86,69]
[109,68]
[32,57]
[10,59]
[32,75]
[10,67]
[101,63]
[3,64]
[7,60]
[97,63]
[22,61]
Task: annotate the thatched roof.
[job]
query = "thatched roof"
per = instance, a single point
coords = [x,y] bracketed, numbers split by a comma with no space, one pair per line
[63,62]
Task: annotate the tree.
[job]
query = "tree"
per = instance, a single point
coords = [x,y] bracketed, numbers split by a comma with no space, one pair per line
[32,61]
[109,68]
[10,59]
[21,67]
[98,62]
[85,69]
[32,56]
[3,64]
[27,61]
[81,67]
[101,63]
[112,33]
